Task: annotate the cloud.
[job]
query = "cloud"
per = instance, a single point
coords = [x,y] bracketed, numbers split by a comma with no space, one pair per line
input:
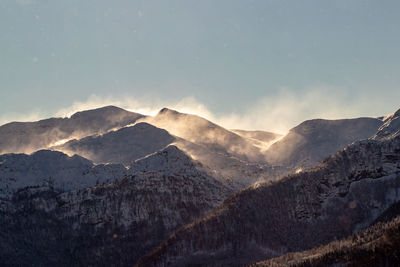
[287,109]
[277,114]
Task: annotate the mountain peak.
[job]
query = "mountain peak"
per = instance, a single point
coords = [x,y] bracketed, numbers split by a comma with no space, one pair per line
[169,159]
[106,111]
[391,127]
[168,111]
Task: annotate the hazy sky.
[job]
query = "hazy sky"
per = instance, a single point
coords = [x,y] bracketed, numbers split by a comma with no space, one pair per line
[236,60]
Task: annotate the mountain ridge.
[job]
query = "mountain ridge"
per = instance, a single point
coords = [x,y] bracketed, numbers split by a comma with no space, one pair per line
[28,137]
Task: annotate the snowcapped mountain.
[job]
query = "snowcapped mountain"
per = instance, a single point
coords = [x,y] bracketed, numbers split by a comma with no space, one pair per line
[345,194]
[27,137]
[111,224]
[169,178]
[203,132]
[312,141]
[230,170]
[133,142]
[121,146]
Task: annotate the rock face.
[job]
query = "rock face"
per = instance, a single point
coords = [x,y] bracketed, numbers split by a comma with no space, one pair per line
[111,224]
[343,195]
[122,146]
[26,137]
[312,141]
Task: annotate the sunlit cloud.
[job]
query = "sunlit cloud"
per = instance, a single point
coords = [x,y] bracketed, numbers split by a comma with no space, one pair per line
[287,109]
[146,107]
[276,114]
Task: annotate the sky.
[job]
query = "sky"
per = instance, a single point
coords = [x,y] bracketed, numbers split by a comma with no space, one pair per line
[267,64]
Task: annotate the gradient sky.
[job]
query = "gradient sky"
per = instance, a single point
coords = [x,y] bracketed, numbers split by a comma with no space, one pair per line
[228,55]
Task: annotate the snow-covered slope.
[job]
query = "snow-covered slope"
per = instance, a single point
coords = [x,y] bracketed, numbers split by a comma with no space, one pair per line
[344,194]
[108,225]
[26,137]
[230,170]
[260,139]
[53,169]
[170,160]
[391,127]
[134,142]
[203,132]
[312,141]
[122,146]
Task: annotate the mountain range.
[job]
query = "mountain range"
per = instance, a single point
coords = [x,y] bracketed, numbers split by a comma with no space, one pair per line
[110,187]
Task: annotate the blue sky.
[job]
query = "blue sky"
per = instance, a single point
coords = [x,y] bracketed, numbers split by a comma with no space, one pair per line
[233,59]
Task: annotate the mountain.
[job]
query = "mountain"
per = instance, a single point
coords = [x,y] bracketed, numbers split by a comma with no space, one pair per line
[232,171]
[201,193]
[27,137]
[343,195]
[46,168]
[130,143]
[107,225]
[121,146]
[234,160]
[203,132]
[312,141]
